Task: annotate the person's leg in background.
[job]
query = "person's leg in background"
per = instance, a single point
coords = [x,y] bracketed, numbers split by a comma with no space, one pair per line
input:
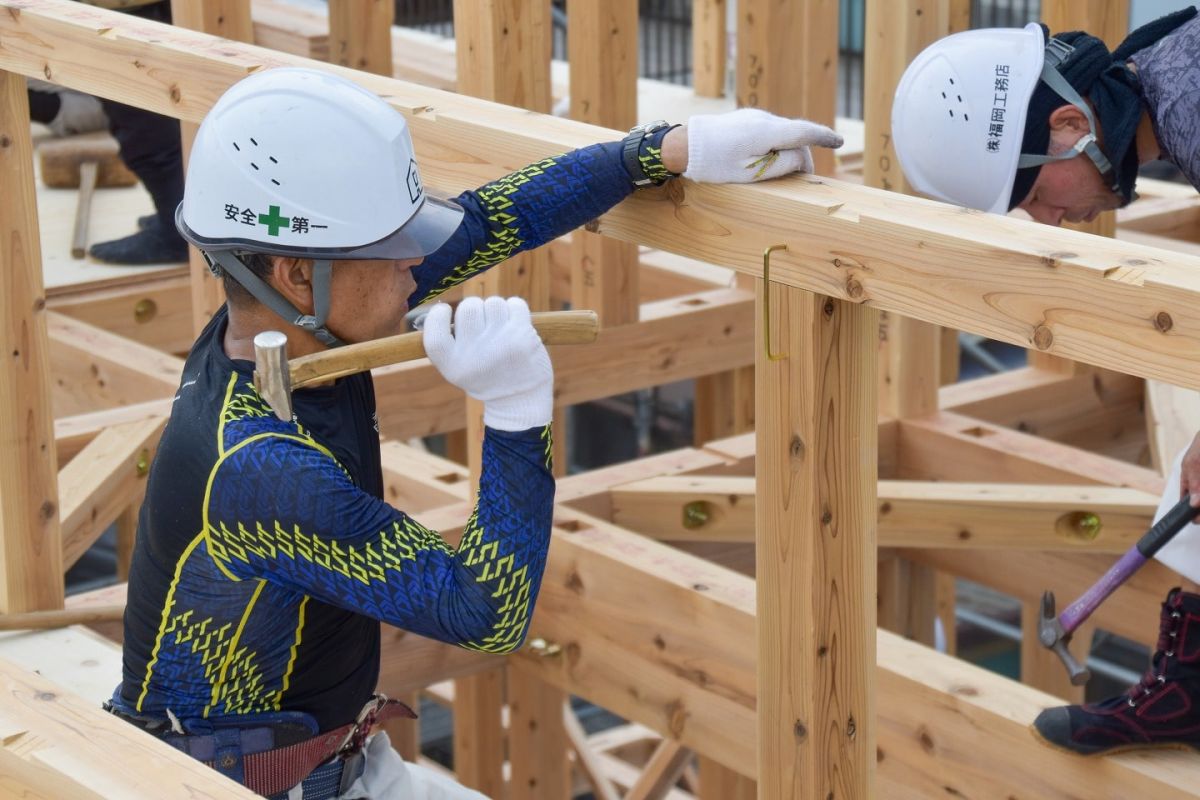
[64,111]
[150,146]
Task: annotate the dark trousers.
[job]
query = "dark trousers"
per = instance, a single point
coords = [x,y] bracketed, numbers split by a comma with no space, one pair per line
[149,142]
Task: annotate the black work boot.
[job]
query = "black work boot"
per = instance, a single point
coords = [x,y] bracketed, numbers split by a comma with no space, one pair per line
[1162,710]
[153,244]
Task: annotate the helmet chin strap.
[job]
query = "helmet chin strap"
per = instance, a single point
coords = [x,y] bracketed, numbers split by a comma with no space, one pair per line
[1056,51]
[272,299]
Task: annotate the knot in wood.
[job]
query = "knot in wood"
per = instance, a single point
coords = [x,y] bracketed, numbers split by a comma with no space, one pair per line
[851,728]
[1163,322]
[828,309]
[800,731]
[175,94]
[1043,337]
[5,141]
[796,448]
[854,289]
[48,72]
[826,516]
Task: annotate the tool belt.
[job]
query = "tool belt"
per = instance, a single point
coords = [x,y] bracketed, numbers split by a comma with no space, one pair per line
[249,756]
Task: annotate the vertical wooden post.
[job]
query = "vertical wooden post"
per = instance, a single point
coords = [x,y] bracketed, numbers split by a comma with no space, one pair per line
[1109,20]
[708,47]
[787,61]
[31,572]
[719,782]
[360,34]
[817,446]
[910,351]
[503,55]
[405,734]
[602,43]
[230,19]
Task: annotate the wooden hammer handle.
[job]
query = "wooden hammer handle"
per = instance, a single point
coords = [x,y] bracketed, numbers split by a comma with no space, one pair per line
[60,618]
[555,327]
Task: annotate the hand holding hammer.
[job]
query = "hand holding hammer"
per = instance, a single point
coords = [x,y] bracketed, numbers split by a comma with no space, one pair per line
[276,378]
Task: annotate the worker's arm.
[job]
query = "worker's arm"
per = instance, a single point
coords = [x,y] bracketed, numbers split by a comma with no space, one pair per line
[282,509]
[552,197]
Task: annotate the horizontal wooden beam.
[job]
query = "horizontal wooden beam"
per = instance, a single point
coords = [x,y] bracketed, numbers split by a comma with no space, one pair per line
[676,339]
[155,311]
[93,369]
[107,477]
[79,744]
[1108,303]
[974,516]
[73,433]
[953,447]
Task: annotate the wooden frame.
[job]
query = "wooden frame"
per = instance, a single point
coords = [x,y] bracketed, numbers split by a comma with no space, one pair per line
[841,710]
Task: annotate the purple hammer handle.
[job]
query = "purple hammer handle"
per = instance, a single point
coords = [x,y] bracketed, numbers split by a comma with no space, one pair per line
[1075,614]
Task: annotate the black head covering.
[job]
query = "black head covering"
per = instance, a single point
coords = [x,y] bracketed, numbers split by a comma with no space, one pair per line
[1106,80]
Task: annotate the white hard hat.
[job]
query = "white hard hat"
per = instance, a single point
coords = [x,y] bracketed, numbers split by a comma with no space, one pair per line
[301,162]
[958,117]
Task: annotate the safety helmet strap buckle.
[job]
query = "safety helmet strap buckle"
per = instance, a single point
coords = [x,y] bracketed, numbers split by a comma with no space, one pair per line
[1056,52]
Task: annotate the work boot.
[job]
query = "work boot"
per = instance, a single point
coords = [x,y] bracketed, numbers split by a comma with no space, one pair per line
[1161,710]
[153,244]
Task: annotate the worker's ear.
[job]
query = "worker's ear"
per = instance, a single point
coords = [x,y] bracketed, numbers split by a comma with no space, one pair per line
[293,278]
[1069,119]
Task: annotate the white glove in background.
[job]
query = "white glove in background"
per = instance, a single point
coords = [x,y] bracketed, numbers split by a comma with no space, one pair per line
[751,145]
[495,356]
[1182,553]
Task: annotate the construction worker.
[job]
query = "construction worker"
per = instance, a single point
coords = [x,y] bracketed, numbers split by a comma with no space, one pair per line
[266,556]
[1009,118]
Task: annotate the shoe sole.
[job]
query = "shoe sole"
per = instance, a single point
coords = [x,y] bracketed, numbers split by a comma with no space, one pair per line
[1112,751]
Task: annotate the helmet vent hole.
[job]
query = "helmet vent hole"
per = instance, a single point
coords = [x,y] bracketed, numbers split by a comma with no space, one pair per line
[951,83]
[273,161]
[966,118]
[943,97]
[960,98]
[277,183]
[256,165]
[235,144]
[951,110]
[256,143]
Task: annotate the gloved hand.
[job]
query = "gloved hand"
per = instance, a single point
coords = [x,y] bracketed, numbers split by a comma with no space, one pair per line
[751,145]
[495,356]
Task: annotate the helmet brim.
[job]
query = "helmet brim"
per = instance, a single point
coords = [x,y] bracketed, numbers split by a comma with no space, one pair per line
[425,232]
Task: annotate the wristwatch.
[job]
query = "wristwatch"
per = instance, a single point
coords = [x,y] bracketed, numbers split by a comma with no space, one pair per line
[631,149]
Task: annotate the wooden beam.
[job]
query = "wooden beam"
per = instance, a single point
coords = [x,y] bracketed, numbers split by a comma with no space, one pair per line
[974,516]
[30,538]
[155,311]
[107,477]
[72,434]
[661,772]
[48,726]
[815,526]
[602,44]
[709,48]
[677,339]
[360,34]
[948,446]
[229,19]
[94,369]
[586,760]
[720,783]
[787,62]
[1108,303]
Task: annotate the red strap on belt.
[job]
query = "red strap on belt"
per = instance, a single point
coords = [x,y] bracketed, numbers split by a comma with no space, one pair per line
[274,771]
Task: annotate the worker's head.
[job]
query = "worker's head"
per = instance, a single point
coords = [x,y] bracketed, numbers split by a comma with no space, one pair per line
[295,171]
[997,119]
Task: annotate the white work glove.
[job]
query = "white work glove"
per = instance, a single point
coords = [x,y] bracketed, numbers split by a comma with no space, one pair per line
[495,356]
[751,145]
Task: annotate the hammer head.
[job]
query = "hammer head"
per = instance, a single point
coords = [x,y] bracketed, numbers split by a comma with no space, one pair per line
[60,160]
[1054,637]
[271,376]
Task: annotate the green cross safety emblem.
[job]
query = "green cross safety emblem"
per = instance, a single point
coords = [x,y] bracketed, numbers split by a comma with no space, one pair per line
[274,221]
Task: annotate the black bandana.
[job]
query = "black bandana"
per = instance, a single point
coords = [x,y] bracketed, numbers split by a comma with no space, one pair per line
[1104,79]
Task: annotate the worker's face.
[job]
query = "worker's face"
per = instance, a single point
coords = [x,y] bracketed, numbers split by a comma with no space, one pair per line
[368,299]
[1070,190]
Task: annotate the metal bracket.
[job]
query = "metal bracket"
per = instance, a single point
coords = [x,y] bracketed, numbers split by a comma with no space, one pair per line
[771,356]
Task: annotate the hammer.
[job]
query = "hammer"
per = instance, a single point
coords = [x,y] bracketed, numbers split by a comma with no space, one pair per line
[276,378]
[1054,632]
[86,162]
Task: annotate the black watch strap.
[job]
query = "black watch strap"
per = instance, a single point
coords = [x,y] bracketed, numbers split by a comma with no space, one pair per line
[633,149]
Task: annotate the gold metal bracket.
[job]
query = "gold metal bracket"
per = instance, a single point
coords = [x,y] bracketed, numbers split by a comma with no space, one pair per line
[771,356]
